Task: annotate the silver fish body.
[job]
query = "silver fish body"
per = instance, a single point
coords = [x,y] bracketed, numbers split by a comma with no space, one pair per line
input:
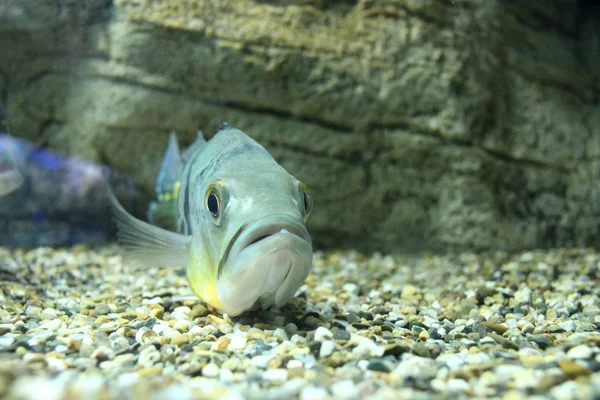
[240,221]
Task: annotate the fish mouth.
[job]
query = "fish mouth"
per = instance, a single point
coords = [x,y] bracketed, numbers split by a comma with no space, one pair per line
[255,232]
[261,232]
[268,262]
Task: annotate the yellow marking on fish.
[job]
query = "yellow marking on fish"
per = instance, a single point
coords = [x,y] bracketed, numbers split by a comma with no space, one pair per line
[202,279]
[176,189]
[211,295]
[167,196]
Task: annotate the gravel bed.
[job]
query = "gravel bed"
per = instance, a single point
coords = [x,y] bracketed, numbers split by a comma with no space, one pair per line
[78,323]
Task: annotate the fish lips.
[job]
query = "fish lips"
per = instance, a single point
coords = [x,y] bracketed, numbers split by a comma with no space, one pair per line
[268,262]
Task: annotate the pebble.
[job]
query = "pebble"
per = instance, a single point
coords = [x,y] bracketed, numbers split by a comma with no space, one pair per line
[182,325]
[467,326]
[182,312]
[341,336]
[322,334]
[314,393]
[408,292]
[6,328]
[527,328]
[568,326]
[237,343]
[582,352]
[327,348]
[573,369]
[210,370]
[103,353]
[276,375]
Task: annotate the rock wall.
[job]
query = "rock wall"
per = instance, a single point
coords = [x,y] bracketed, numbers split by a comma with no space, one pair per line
[417,124]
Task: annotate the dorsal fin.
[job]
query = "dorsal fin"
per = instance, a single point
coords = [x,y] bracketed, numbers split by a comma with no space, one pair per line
[171,168]
[162,210]
[198,143]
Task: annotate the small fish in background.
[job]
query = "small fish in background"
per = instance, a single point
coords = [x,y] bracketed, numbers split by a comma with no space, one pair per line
[239,219]
[10,180]
[47,199]
[11,177]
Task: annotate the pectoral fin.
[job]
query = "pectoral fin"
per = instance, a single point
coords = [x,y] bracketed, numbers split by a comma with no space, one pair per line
[146,244]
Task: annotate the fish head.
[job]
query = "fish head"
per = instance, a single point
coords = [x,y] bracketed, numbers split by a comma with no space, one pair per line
[252,223]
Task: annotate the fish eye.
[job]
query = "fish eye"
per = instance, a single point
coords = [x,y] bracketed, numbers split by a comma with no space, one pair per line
[307,201]
[213,204]
[215,201]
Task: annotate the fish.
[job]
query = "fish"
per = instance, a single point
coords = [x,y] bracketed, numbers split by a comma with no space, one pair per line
[11,176]
[10,181]
[53,199]
[238,222]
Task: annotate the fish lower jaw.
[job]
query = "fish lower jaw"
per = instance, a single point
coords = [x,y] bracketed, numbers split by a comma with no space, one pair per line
[266,275]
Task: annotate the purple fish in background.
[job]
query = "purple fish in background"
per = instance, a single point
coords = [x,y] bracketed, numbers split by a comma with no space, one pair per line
[11,177]
[47,199]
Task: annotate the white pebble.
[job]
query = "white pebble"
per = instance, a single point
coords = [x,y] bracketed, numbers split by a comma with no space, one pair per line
[457,385]
[49,313]
[181,312]
[52,325]
[148,357]
[280,333]
[413,367]
[567,391]
[345,389]
[261,361]
[352,288]
[581,352]
[523,295]
[103,353]
[7,340]
[127,379]
[154,300]
[225,375]
[182,325]
[327,348]
[366,347]
[506,371]
[198,330]
[313,393]
[139,333]
[278,375]
[162,329]
[211,370]
[297,339]
[568,326]
[323,333]
[237,343]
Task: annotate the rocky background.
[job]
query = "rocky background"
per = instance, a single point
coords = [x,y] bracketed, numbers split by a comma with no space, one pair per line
[417,124]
